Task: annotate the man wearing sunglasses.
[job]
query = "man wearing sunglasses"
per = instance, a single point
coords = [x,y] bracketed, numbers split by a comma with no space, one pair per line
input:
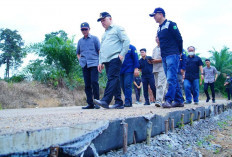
[114,46]
[88,55]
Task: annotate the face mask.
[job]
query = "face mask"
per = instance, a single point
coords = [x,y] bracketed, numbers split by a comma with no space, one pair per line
[191,53]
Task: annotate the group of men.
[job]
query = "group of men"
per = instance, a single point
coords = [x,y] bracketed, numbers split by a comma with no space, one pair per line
[120,60]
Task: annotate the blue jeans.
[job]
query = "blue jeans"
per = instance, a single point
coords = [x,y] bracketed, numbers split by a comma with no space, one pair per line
[191,88]
[170,65]
[126,81]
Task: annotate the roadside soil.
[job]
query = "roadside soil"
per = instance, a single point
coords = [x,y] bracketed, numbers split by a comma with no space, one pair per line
[221,137]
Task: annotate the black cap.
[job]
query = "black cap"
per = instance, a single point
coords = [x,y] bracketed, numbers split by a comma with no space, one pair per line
[143,49]
[84,25]
[103,15]
[157,10]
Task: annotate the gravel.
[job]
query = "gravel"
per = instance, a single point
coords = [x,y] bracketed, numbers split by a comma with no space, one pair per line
[19,120]
[184,142]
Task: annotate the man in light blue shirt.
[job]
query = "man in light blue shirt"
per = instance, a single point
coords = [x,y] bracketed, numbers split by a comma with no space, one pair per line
[114,46]
[88,54]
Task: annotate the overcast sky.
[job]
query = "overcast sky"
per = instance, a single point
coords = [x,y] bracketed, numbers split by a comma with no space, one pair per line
[205,24]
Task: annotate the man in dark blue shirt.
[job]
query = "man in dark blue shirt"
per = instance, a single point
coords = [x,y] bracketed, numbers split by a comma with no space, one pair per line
[129,68]
[146,67]
[88,55]
[191,81]
[171,45]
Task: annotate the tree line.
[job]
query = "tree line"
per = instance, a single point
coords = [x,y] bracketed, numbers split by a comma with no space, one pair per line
[58,66]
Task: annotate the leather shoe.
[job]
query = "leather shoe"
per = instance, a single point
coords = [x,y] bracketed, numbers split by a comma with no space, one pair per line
[167,105]
[117,106]
[101,103]
[96,106]
[127,105]
[88,107]
[178,104]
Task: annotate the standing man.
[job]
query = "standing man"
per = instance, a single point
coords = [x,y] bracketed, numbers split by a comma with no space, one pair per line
[146,67]
[210,76]
[114,46]
[158,71]
[171,45]
[88,53]
[128,69]
[191,81]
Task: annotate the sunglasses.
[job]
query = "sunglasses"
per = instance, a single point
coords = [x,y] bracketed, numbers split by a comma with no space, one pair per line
[84,29]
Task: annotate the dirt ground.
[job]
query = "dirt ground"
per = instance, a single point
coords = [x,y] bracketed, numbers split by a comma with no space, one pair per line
[221,137]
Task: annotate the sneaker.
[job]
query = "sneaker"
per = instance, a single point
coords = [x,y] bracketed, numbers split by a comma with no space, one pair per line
[158,104]
[147,103]
[127,105]
[186,102]
[196,103]
[137,102]
[178,104]
[167,105]
[207,100]
[213,101]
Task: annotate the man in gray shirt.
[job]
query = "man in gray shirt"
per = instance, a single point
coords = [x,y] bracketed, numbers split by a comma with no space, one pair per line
[88,53]
[210,76]
[114,46]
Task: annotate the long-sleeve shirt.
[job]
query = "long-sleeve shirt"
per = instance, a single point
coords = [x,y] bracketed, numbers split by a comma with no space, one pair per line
[88,49]
[114,42]
[131,61]
[170,39]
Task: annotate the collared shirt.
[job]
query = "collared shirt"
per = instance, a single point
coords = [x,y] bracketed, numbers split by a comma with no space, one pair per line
[146,67]
[157,67]
[192,67]
[88,49]
[170,39]
[114,42]
[209,74]
[182,64]
[131,61]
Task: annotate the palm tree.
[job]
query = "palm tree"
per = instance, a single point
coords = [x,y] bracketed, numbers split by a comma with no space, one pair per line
[222,61]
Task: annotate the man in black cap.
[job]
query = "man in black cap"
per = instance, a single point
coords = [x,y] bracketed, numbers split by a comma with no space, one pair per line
[171,46]
[88,53]
[114,46]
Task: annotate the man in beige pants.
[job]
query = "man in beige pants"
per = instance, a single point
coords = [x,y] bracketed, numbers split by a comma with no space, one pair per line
[158,71]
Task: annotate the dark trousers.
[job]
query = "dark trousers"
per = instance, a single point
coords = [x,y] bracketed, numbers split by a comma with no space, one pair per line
[229,92]
[148,81]
[113,84]
[126,81]
[211,88]
[91,83]
[137,93]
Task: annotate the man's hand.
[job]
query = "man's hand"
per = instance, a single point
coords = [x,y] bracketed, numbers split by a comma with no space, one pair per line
[136,72]
[100,67]
[120,57]
[78,56]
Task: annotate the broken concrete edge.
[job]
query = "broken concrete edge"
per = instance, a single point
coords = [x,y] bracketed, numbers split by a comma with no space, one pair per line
[38,142]
[110,137]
